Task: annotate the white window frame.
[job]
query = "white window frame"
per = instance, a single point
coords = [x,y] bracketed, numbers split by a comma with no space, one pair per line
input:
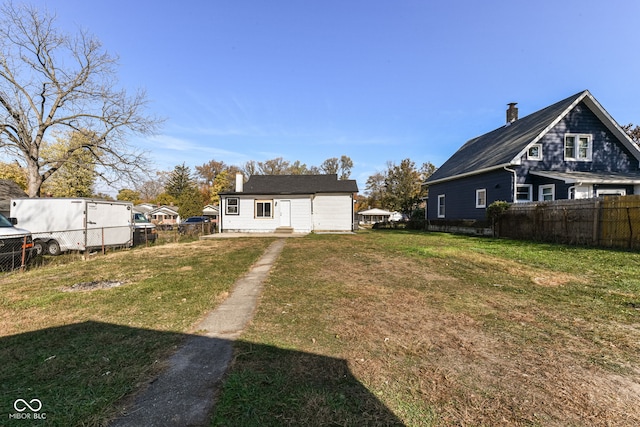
[229,207]
[261,215]
[611,192]
[539,156]
[541,194]
[481,198]
[529,193]
[441,205]
[577,139]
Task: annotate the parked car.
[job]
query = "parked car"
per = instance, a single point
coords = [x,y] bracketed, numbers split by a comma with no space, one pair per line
[16,244]
[143,230]
[193,224]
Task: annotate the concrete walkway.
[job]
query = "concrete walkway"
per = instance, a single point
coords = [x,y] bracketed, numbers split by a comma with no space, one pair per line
[183,395]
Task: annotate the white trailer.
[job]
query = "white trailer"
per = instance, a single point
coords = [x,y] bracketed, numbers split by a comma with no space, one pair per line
[74,224]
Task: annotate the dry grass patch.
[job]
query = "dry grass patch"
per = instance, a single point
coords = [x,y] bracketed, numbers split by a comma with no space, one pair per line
[444,330]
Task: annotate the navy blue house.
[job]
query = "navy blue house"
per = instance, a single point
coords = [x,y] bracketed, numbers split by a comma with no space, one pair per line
[572,149]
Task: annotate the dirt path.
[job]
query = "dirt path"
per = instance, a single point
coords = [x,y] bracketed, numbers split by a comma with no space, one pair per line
[183,395]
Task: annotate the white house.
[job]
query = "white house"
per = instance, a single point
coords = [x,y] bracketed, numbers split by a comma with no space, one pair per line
[293,203]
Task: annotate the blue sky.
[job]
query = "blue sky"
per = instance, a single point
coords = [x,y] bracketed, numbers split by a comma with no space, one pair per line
[377,80]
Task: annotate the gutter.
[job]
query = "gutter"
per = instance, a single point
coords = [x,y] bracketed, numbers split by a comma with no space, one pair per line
[514,185]
[467,174]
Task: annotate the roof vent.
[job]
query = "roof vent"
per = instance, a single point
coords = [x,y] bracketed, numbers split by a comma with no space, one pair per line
[512,112]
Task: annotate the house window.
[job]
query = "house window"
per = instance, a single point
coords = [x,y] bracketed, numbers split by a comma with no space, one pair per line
[481,198]
[264,208]
[441,206]
[233,206]
[577,147]
[546,192]
[523,193]
[534,152]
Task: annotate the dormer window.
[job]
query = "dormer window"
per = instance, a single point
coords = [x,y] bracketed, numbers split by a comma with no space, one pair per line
[577,147]
[534,152]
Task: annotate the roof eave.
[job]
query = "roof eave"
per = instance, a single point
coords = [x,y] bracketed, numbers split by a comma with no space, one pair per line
[467,174]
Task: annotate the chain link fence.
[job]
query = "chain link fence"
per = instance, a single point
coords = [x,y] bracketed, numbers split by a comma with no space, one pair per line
[15,253]
[34,252]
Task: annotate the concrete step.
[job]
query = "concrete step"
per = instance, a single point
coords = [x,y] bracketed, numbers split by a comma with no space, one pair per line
[284,230]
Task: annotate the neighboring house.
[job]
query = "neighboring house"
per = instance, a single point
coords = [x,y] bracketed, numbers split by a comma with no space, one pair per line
[571,149]
[9,190]
[145,209]
[165,215]
[294,203]
[371,216]
[212,212]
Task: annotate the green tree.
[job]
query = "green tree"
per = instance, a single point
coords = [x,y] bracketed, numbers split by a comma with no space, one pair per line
[190,203]
[75,174]
[51,80]
[180,181]
[402,187]
[128,195]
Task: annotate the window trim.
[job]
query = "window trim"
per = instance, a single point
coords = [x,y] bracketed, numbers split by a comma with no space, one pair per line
[441,205]
[539,156]
[264,202]
[529,192]
[481,204]
[228,211]
[577,138]
[541,189]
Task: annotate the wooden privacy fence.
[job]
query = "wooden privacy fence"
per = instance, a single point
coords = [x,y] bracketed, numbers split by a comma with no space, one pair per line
[610,221]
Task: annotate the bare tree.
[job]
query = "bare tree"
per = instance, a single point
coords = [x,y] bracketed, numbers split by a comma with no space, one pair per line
[51,80]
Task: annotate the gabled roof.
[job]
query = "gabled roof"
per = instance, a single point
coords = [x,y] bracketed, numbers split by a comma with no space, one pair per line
[297,184]
[506,145]
[165,209]
[9,190]
[375,211]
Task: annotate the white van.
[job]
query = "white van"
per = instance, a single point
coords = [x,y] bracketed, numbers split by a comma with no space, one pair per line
[16,245]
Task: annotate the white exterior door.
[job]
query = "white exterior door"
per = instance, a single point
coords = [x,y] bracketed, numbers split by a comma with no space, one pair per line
[285,213]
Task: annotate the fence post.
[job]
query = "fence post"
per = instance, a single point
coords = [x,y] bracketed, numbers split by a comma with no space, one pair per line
[24,253]
[596,223]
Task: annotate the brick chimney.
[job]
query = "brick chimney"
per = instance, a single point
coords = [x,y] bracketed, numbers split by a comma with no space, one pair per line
[512,112]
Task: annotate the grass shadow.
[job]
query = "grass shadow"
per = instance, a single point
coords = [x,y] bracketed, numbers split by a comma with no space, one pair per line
[84,374]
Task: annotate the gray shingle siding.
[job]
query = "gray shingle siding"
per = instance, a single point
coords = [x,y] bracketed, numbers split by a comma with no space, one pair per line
[460,200]
[481,162]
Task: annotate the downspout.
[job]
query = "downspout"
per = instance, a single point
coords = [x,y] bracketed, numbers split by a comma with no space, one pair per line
[514,184]
[221,207]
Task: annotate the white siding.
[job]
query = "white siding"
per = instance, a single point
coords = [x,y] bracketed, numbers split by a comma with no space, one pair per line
[246,222]
[332,212]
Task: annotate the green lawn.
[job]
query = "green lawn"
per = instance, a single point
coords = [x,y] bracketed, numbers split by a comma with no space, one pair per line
[80,352]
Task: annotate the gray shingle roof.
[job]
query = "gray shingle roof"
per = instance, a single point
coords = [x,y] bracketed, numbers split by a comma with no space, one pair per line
[9,190]
[501,146]
[297,184]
